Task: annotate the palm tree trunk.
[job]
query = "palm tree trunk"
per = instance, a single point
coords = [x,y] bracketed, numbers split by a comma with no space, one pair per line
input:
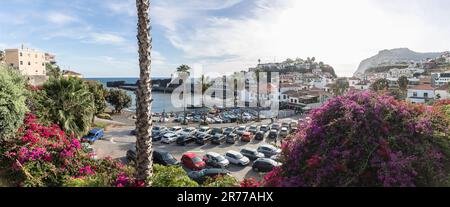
[144,96]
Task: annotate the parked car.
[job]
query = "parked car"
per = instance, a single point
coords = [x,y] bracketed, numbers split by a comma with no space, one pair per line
[240,130]
[134,132]
[190,131]
[259,135]
[169,138]
[276,157]
[201,139]
[252,154]
[228,130]
[253,129]
[236,158]
[216,130]
[294,129]
[218,139]
[204,129]
[158,137]
[184,140]
[160,156]
[203,175]
[269,150]
[275,126]
[192,161]
[293,124]
[246,137]
[158,129]
[93,135]
[231,138]
[264,128]
[273,134]
[283,132]
[215,160]
[175,129]
[264,165]
[285,124]
[163,157]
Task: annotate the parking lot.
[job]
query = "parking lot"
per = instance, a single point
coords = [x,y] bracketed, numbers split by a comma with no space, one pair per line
[118,141]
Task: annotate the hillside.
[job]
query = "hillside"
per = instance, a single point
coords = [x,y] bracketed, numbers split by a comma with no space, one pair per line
[394,56]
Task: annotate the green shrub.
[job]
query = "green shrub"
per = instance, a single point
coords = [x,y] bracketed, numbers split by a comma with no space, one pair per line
[221,181]
[12,102]
[171,176]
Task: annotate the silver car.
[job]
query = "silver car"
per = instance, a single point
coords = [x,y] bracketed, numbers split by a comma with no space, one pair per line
[269,150]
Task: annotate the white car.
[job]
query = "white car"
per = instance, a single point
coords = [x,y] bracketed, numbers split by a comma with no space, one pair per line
[188,132]
[237,158]
[269,150]
[284,132]
[240,130]
[205,130]
[175,129]
[169,138]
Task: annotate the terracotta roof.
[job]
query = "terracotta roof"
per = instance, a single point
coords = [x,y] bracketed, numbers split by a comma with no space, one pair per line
[423,87]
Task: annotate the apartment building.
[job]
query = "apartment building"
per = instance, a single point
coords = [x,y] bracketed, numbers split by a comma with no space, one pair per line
[29,62]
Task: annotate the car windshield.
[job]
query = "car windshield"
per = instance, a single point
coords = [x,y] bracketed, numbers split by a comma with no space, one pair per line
[203,130]
[168,157]
[156,128]
[228,129]
[238,156]
[187,130]
[90,134]
[196,160]
[252,127]
[220,158]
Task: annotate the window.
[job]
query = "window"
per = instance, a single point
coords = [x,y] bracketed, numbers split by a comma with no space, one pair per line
[21,62]
[415,94]
[21,54]
[29,63]
[425,95]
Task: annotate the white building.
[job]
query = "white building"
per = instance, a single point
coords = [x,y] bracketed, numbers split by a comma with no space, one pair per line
[440,79]
[421,93]
[442,92]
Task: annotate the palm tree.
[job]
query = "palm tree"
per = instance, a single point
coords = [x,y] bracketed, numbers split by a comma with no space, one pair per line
[205,84]
[257,72]
[144,96]
[69,103]
[184,69]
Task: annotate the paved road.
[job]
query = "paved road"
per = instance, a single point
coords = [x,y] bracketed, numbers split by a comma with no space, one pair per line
[118,140]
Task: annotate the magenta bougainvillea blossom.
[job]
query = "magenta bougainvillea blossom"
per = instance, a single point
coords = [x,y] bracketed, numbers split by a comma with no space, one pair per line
[46,156]
[367,139]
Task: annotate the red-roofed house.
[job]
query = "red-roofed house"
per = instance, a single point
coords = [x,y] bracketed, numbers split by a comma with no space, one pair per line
[421,93]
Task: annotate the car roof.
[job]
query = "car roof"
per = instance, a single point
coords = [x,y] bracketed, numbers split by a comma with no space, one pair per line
[249,149]
[265,160]
[214,154]
[233,152]
[273,130]
[96,130]
[268,146]
[190,155]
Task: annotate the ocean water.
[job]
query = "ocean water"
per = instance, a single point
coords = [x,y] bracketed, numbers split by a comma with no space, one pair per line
[161,101]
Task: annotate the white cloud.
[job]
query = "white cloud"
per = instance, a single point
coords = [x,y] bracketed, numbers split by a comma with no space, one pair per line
[107,38]
[341,33]
[60,18]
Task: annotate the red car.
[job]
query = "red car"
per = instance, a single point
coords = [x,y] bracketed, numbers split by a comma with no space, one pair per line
[192,161]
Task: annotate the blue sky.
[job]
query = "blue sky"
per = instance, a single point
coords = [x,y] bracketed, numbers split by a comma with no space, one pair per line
[97,38]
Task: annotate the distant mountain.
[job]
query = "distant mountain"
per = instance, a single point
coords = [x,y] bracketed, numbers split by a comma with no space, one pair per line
[386,57]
